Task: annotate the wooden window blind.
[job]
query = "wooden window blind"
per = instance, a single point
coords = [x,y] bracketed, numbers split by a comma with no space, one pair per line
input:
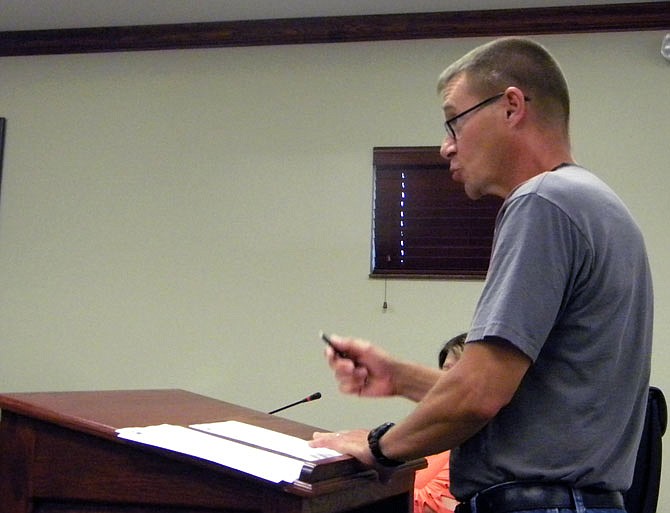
[424,225]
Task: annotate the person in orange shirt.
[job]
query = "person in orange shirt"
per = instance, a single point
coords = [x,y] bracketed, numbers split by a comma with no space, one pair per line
[431,484]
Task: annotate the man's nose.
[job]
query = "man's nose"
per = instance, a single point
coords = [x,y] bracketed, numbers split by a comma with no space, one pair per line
[448,148]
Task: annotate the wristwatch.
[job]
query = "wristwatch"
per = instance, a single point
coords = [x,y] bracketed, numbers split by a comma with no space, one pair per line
[373,444]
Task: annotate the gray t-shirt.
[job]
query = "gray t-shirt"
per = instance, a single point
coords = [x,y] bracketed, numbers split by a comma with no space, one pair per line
[569,285]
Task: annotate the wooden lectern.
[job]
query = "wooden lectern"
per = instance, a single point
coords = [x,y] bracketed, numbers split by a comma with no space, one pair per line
[59,453]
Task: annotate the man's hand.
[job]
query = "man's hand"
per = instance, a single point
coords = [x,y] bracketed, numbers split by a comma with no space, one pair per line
[353,442]
[366,370]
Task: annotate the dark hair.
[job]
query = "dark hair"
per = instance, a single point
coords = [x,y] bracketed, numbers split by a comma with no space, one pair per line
[457,343]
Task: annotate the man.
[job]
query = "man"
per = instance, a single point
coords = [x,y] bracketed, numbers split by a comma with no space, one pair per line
[545,407]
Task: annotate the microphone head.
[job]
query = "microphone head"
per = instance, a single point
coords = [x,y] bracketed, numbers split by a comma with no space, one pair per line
[313,397]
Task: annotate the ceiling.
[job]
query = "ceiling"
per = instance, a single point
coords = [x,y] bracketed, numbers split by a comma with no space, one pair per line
[60,14]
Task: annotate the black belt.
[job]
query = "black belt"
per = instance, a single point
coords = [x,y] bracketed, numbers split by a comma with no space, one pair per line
[517,496]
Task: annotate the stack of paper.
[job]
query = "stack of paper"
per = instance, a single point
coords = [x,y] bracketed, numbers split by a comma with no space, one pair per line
[251,449]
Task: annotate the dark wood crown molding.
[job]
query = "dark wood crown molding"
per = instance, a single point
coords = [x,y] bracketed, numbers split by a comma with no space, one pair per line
[340,29]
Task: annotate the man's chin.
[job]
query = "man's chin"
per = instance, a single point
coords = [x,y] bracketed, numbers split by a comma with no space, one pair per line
[473,194]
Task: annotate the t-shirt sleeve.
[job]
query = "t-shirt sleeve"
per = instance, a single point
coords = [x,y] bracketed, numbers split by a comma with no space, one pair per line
[529,274]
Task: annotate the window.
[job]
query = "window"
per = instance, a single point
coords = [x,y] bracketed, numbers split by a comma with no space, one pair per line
[424,225]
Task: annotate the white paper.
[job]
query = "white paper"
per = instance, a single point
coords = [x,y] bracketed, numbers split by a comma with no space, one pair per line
[257,462]
[262,437]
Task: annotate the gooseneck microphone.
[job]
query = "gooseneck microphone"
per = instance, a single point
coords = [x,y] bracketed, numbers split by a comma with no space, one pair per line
[313,397]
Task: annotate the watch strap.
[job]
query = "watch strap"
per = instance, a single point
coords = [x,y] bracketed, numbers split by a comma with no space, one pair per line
[373,443]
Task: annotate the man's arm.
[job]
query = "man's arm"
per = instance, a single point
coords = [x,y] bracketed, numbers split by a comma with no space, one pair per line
[369,371]
[462,401]
[458,405]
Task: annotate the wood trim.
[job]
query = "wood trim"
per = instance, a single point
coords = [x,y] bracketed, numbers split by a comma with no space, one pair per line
[399,156]
[340,29]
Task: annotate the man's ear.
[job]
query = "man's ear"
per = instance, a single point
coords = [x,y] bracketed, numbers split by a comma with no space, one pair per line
[515,103]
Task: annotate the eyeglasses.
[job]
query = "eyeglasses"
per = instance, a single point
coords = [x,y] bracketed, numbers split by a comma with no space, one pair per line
[450,125]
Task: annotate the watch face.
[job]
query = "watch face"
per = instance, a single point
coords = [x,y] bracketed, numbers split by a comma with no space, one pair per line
[379,431]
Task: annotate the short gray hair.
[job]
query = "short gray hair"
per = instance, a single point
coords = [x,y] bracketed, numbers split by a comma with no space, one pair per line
[518,62]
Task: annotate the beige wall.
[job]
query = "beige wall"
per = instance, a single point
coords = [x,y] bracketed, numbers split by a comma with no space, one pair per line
[191,219]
